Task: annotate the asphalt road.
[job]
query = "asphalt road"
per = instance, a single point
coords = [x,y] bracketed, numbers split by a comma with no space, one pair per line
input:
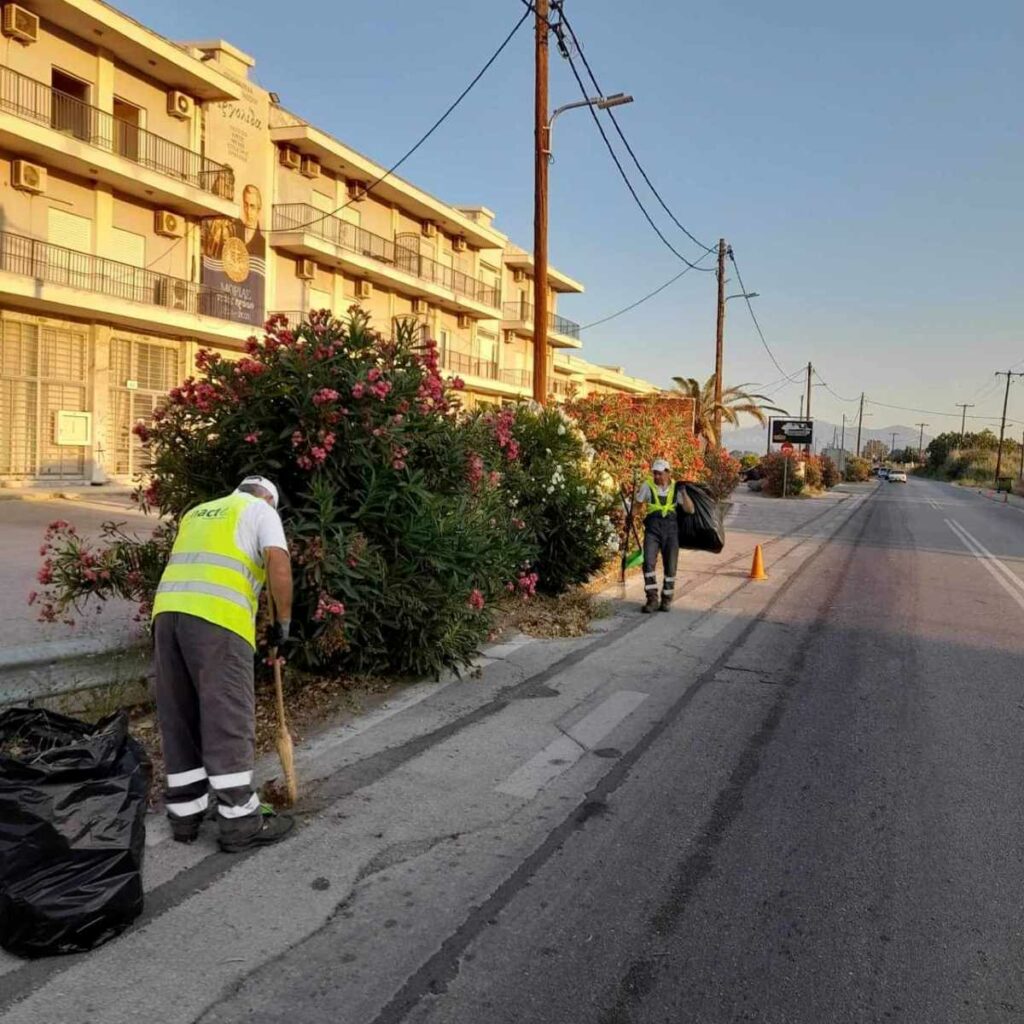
[862,860]
[796,801]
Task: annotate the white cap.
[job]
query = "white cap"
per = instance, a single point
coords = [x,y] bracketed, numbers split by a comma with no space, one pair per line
[261,481]
[660,466]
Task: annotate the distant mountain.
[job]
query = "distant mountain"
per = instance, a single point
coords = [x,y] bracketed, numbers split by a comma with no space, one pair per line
[755,438]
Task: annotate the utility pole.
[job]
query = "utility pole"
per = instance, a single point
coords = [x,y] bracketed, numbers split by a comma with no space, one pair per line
[963,419]
[810,370]
[1009,375]
[542,154]
[860,422]
[920,442]
[801,407]
[842,448]
[720,338]
[892,447]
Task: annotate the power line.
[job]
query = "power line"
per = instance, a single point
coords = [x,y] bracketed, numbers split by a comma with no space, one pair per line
[828,387]
[625,177]
[929,412]
[558,6]
[649,295]
[753,315]
[426,135]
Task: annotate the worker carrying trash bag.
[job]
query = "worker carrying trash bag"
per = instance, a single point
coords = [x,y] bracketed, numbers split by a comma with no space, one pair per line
[204,627]
[664,499]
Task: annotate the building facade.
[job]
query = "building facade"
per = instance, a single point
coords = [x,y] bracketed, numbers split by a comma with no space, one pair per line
[154,201]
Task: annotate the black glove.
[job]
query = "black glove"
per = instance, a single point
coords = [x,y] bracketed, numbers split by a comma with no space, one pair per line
[279,632]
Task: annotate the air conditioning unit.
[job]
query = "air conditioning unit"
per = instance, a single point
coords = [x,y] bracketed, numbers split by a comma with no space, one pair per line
[305,270]
[519,276]
[356,190]
[20,24]
[429,229]
[28,177]
[310,167]
[168,224]
[420,306]
[179,105]
[458,244]
[363,289]
[171,293]
[465,321]
[508,336]
[290,157]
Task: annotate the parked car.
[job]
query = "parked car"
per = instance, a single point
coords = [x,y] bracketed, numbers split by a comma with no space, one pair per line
[897,476]
[883,472]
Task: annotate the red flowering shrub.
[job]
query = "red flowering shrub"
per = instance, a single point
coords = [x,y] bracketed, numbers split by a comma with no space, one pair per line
[628,431]
[829,472]
[399,540]
[721,473]
[781,470]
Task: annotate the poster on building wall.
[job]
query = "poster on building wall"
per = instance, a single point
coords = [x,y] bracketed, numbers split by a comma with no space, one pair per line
[235,248]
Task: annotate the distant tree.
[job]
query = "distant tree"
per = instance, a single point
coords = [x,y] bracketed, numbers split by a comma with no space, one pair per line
[904,455]
[750,460]
[875,451]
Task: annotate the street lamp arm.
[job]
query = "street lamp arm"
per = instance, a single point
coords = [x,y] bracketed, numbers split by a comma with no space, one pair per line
[743,295]
[616,99]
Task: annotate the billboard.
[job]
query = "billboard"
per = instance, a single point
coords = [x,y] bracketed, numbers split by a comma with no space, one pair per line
[234,249]
[793,431]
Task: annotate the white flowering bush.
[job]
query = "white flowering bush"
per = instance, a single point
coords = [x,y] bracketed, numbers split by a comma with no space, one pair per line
[562,502]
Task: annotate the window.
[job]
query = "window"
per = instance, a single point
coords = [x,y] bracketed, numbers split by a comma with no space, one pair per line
[69,264]
[69,109]
[128,251]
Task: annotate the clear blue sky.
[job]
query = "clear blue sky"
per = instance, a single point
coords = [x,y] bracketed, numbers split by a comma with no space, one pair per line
[864,160]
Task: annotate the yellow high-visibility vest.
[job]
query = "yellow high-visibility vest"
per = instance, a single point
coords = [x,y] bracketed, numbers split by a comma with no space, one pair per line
[208,575]
[665,506]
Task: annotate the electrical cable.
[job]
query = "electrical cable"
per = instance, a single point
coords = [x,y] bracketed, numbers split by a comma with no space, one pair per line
[423,138]
[830,390]
[558,6]
[753,315]
[931,412]
[625,177]
[649,295]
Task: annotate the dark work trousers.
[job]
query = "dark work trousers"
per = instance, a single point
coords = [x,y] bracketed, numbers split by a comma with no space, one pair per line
[207,712]
[661,535]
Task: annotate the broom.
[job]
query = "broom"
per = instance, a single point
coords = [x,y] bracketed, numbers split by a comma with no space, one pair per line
[630,560]
[285,750]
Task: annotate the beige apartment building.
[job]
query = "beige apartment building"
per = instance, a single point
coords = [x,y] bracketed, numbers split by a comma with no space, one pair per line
[154,201]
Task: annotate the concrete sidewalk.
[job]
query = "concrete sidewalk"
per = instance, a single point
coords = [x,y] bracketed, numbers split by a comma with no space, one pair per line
[37,658]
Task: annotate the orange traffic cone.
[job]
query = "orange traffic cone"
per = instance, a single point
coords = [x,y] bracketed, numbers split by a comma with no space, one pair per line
[757,569]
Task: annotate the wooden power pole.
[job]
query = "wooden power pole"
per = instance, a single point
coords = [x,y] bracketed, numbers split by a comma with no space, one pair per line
[860,422]
[920,442]
[1009,375]
[720,339]
[963,419]
[542,147]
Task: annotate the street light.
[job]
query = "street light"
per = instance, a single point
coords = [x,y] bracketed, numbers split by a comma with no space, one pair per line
[542,158]
[743,295]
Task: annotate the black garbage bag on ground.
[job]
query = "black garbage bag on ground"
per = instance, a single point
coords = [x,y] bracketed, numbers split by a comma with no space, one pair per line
[703,530]
[72,802]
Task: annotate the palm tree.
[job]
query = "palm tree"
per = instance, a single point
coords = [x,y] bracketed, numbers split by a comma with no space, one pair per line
[735,403]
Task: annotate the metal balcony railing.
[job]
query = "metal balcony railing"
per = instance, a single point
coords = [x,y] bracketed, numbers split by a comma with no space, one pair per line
[459,362]
[35,101]
[522,312]
[352,238]
[517,378]
[54,264]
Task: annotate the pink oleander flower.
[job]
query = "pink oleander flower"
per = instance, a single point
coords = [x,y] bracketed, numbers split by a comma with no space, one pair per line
[476,600]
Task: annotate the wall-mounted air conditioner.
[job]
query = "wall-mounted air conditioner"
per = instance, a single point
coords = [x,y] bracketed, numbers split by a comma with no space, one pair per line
[179,105]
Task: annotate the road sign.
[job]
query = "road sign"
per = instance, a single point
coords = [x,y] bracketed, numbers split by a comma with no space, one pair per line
[786,448]
[793,431]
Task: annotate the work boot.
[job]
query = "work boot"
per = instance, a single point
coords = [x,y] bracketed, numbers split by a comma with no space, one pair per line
[666,602]
[652,602]
[185,830]
[273,828]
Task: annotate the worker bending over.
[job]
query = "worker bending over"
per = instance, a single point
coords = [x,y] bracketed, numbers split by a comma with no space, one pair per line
[204,626]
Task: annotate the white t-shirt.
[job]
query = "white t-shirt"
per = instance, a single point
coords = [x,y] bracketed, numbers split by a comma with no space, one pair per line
[259,527]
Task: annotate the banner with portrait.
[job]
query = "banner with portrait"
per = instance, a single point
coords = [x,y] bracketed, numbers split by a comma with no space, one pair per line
[234,249]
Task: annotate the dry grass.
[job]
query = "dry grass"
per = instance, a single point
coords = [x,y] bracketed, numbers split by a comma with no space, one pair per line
[552,617]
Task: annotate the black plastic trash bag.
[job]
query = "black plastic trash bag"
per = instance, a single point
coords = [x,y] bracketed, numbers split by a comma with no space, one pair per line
[703,530]
[72,802]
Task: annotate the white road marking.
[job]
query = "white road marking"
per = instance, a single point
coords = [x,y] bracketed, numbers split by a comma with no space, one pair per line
[561,754]
[1003,576]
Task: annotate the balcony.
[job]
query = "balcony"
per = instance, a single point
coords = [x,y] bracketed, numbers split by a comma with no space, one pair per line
[562,333]
[50,278]
[306,231]
[471,366]
[62,131]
